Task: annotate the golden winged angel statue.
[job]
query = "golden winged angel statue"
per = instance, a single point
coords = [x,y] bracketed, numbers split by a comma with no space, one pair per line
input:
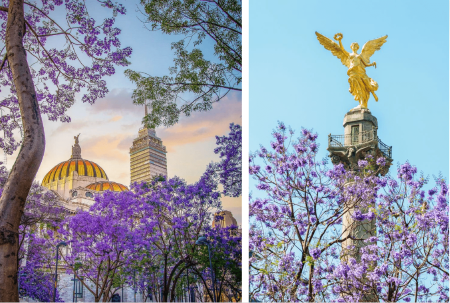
[361,86]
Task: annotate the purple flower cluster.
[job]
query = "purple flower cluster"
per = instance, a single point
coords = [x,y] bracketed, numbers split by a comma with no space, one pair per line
[228,172]
[36,275]
[87,52]
[139,237]
[296,234]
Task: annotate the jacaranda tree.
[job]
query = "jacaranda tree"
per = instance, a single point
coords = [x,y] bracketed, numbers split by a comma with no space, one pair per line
[296,233]
[407,255]
[228,172]
[226,258]
[37,268]
[51,51]
[100,242]
[144,238]
[155,226]
[193,219]
[36,257]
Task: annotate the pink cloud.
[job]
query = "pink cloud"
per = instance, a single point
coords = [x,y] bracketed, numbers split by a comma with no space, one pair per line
[73,126]
[118,100]
[105,146]
[202,126]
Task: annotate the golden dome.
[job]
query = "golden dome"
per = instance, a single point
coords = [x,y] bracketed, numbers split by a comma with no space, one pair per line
[81,166]
[102,186]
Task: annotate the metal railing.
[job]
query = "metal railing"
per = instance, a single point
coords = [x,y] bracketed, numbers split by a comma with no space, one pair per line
[347,140]
[385,150]
[363,137]
[78,289]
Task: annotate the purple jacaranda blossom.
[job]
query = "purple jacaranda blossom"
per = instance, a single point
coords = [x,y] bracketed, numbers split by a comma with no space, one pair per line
[406,171]
[35,255]
[394,212]
[228,172]
[254,169]
[36,271]
[69,58]
[315,253]
[359,216]
[135,237]
[381,161]
[362,163]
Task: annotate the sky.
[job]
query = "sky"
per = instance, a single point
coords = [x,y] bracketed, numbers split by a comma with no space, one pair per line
[294,79]
[109,126]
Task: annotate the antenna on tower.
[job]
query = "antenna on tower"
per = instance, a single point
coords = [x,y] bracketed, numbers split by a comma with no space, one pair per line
[146,104]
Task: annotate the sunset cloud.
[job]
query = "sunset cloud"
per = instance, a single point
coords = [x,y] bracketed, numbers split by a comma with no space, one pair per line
[74,126]
[115,118]
[202,126]
[118,100]
[105,146]
[125,143]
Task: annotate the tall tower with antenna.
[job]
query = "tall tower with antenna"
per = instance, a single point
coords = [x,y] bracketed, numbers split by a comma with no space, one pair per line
[147,155]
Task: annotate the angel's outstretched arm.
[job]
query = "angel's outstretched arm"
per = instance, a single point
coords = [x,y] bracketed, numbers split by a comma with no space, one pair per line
[342,46]
[367,64]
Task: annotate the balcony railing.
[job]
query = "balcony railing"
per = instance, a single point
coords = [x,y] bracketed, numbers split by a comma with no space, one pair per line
[363,137]
[386,150]
[347,140]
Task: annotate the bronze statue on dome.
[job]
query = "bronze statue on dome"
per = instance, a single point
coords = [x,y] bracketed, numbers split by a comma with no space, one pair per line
[76,138]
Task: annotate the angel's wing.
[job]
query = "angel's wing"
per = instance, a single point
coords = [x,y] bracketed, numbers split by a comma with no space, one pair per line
[371,46]
[334,48]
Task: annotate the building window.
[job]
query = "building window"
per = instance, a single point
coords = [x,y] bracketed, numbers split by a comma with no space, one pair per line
[89,194]
[74,194]
[355,134]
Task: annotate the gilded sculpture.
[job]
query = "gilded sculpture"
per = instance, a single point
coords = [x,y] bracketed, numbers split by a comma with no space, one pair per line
[361,86]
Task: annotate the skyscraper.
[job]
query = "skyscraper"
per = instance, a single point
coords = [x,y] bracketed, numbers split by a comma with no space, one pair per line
[147,156]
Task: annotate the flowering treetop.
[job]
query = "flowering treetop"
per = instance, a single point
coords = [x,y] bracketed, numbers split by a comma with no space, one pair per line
[68,51]
[296,233]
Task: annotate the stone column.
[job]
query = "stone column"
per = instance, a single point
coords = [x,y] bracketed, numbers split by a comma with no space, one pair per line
[360,139]
[359,134]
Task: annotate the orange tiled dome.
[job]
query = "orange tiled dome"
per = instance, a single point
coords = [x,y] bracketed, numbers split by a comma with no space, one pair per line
[102,186]
[81,166]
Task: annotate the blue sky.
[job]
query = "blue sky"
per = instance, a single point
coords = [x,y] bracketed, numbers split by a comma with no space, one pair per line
[295,80]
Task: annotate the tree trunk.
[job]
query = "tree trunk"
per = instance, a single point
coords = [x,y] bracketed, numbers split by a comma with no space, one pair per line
[22,174]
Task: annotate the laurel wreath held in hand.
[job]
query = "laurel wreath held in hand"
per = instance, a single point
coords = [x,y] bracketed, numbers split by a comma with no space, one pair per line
[338,36]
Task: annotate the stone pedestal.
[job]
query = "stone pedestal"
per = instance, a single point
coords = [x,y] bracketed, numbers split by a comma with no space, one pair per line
[361,120]
[359,140]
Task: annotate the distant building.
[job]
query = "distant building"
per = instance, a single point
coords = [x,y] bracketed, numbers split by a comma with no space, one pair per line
[147,156]
[76,180]
[224,219]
